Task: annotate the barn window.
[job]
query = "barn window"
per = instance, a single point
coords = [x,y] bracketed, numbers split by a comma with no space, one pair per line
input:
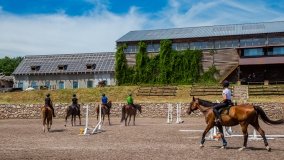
[62,67]
[90,66]
[35,68]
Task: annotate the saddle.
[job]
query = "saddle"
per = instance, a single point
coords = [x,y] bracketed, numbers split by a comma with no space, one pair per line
[225,110]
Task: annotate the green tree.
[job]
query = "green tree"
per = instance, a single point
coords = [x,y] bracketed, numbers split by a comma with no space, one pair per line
[165,59]
[121,67]
[141,63]
[8,65]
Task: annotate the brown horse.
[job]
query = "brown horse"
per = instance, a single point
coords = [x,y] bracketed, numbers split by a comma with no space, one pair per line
[130,111]
[105,111]
[46,115]
[244,114]
[74,111]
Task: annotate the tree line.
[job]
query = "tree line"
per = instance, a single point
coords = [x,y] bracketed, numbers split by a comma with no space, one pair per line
[8,65]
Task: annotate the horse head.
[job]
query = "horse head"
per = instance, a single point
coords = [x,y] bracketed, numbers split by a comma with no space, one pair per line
[109,104]
[139,108]
[193,105]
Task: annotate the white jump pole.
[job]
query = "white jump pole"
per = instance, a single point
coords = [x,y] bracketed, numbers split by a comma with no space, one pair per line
[170,113]
[87,121]
[98,127]
[179,113]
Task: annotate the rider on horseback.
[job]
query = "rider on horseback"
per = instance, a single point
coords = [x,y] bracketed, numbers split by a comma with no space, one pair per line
[130,100]
[48,103]
[226,101]
[104,100]
[75,102]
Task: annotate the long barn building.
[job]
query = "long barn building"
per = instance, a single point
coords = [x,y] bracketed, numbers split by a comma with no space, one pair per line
[65,71]
[252,52]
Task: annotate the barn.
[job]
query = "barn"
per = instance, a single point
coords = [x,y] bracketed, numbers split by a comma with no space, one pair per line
[248,53]
[62,71]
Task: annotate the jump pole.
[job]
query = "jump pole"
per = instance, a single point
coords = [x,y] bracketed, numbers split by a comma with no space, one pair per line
[87,121]
[170,113]
[98,127]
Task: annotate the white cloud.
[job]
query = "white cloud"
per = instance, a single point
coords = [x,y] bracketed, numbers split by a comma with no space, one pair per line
[59,33]
[98,29]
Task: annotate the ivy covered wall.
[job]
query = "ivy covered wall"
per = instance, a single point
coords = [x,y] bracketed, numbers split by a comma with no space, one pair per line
[168,67]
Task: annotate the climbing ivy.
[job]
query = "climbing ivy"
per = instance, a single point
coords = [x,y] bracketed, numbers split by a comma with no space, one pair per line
[167,67]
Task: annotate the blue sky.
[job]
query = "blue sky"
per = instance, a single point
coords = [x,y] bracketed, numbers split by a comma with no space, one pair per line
[77,26]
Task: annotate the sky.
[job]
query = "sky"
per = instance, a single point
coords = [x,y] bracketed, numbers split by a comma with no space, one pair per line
[36,27]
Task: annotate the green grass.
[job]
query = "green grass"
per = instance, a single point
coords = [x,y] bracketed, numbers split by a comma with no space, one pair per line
[115,94]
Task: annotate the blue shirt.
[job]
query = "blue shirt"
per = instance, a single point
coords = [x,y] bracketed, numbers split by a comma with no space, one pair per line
[104,100]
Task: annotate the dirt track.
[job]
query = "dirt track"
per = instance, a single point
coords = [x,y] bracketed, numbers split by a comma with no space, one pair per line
[149,139]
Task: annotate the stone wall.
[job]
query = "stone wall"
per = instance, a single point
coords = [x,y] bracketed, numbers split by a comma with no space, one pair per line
[153,110]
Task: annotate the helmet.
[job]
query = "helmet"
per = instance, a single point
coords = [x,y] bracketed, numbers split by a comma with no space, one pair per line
[226,83]
[130,94]
[47,95]
[74,95]
[103,94]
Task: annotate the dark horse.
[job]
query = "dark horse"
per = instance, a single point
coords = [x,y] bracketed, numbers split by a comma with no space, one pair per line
[46,115]
[105,111]
[244,114]
[74,111]
[130,111]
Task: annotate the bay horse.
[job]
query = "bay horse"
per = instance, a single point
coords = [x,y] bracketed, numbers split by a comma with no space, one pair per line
[46,116]
[73,111]
[105,111]
[244,114]
[128,111]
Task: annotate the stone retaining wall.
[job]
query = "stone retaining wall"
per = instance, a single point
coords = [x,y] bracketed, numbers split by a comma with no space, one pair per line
[153,110]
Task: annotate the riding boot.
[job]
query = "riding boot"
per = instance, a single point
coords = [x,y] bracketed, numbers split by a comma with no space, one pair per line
[218,116]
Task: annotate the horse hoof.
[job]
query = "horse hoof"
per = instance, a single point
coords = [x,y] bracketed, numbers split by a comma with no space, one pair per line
[241,149]
[268,148]
[201,146]
[223,147]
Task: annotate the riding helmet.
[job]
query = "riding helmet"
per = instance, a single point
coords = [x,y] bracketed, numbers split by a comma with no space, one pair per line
[74,95]
[47,95]
[103,94]
[226,83]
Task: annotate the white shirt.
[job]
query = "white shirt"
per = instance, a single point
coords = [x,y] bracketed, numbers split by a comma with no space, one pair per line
[228,93]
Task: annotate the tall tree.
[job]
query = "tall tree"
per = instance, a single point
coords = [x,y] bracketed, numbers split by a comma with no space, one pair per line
[8,65]
[165,56]
[121,65]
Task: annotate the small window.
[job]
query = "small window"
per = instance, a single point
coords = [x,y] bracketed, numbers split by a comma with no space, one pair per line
[62,67]
[21,85]
[75,84]
[90,84]
[35,68]
[34,85]
[90,66]
[61,85]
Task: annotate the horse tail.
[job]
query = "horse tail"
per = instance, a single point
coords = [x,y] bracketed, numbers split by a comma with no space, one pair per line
[264,117]
[122,114]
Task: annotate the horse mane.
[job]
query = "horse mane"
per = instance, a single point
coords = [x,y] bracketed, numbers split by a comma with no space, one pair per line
[206,103]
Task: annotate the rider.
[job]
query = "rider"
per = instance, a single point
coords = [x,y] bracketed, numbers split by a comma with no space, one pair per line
[104,100]
[227,94]
[75,101]
[48,103]
[130,100]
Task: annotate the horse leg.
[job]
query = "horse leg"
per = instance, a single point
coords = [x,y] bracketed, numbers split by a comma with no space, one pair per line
[79,119]
[126,120]
[74,119]
[222,136]
[262,133]
[108,119]
[245,133]
[129,119]
[209,126]
[43,123]
[134,119]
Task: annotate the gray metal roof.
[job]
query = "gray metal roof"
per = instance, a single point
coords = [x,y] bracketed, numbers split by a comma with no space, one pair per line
[204,31]
[76,63]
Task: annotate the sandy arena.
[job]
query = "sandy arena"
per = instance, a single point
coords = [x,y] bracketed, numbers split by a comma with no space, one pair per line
[151,138]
